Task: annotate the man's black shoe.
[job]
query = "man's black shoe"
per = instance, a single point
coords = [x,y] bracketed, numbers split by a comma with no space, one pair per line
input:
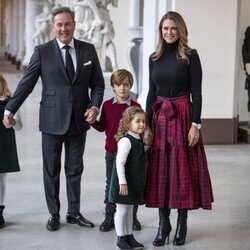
[78,219]
[53,222]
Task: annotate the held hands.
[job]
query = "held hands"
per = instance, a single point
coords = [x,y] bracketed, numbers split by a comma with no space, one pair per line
[91,115]
[123,189]
[193,136]
[9,121]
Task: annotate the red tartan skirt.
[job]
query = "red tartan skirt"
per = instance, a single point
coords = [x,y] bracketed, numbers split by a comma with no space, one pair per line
[177,175]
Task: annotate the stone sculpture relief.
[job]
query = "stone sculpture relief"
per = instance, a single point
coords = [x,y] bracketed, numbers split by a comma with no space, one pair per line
[94,25]
[43,23]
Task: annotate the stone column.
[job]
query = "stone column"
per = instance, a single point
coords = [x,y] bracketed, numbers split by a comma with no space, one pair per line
[134,53]
[9,24]
[14,31]
[32,10]
[21,32]
[4,28]
[1,29]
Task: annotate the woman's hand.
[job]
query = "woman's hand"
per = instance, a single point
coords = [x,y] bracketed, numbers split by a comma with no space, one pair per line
[148,136]
[123,189]
[193,136]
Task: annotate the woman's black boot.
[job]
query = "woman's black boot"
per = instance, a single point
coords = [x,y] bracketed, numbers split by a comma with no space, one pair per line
[2,221]
[181,230]
[122,243]
[164,227]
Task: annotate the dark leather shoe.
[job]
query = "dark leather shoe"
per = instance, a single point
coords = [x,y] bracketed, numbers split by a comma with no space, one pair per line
[78,219]
[136,224]
[2,221]
[108,223]
[53,222]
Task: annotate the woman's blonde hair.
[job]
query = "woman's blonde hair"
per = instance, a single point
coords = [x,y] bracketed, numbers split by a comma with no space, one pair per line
[119,76]
[4,90]
[127,116]
[183,47]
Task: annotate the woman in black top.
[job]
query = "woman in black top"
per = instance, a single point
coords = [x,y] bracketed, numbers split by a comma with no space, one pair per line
[178,176]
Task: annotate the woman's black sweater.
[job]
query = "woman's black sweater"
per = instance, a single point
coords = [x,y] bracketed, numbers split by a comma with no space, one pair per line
[173,77]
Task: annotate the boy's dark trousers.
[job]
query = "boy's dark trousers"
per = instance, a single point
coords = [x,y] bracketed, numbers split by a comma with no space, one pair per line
[110,208]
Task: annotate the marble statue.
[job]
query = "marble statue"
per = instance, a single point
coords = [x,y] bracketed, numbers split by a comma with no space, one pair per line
[93,24]
[43,24]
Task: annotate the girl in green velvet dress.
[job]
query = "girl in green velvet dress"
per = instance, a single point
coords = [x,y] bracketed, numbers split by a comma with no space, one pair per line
[8,152]
[127,181]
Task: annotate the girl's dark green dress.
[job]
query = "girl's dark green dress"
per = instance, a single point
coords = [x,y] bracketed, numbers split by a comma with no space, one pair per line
[134,171]
[8,151]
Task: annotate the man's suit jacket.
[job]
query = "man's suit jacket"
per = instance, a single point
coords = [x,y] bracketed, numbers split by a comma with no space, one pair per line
[59,95]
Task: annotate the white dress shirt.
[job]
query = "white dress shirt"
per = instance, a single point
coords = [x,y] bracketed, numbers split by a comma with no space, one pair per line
[72,52]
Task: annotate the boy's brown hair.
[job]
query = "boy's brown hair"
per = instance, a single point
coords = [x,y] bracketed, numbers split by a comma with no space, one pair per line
[119,76]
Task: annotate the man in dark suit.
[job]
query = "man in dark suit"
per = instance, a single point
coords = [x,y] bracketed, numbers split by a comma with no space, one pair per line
[68,74]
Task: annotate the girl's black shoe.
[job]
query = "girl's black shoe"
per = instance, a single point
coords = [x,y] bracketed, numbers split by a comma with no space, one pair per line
[122,243]
[133,242]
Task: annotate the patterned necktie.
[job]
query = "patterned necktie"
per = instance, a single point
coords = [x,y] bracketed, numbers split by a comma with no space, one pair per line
[69,64]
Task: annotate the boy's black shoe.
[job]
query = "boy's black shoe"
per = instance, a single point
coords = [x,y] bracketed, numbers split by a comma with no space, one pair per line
[136,223]
[108,223]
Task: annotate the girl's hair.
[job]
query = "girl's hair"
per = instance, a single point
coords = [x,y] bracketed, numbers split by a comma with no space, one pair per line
[183,47]
[127,116]
[119,76]
[4,90]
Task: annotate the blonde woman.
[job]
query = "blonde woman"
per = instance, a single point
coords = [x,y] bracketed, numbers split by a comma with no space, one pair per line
[178,176]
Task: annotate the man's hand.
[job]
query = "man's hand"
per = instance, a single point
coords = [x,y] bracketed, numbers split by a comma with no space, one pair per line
[91,115]
[8,121]
[123,189]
